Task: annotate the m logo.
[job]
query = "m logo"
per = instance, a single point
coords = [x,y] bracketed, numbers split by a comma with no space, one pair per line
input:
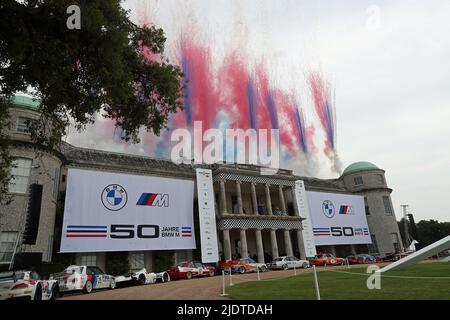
[153,200]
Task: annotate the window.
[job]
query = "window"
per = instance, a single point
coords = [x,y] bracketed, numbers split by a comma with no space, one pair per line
[395,242]
[358,181]
[380,179]
[366,205]
[20,175]
[89,259]
[23,124]
[387,205]
[7,243]
[137,260]
[373,247]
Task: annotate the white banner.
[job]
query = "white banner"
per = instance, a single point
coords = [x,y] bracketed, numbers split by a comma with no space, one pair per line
[303,209]
[207,213]
[123,212]
[338,218]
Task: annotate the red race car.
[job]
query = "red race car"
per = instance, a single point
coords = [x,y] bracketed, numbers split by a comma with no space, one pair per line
[327,259]
[243,265]
[190,269]
[362,259]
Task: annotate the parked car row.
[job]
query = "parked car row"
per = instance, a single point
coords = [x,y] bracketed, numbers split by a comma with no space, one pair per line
[28,284]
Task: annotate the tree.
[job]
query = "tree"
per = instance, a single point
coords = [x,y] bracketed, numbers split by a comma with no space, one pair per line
[430,231]
[76,73]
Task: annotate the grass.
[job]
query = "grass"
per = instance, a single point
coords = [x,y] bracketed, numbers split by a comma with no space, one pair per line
[352,286]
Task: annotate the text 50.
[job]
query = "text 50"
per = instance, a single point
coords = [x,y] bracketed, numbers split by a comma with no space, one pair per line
[129,231]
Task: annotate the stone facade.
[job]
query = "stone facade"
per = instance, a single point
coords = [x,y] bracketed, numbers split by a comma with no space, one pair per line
[256,214]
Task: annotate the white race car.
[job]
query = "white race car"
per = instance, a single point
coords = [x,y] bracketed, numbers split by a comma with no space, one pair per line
[288,262]
[83,278]
[141,277]
[26,285]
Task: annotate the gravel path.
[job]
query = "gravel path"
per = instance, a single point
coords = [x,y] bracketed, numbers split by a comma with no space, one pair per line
[195,289]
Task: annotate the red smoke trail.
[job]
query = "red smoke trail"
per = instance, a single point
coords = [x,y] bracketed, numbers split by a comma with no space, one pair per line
[321,94]
[261,81]
[289,135]
[203,96]
[233,82]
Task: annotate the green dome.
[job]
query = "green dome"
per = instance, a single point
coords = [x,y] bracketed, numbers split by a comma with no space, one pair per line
[25,101]
[359,166]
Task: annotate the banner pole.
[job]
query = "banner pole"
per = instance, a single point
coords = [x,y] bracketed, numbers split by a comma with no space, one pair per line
[316,283]
[231,278]
[295,270]
[223,284]
[257,271]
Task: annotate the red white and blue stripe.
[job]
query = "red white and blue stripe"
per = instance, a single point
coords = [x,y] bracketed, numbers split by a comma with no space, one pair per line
[83,231]
[321,231]
[186,231]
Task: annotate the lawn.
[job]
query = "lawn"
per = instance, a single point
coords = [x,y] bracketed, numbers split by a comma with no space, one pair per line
[352,286]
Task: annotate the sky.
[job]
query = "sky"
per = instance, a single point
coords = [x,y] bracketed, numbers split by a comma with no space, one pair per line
[386,61]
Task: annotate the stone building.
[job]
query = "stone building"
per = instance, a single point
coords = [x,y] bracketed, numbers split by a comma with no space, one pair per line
[256,214]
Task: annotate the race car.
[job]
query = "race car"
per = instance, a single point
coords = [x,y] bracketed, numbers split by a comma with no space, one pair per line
[141,277]
[288,262]
[83,278]
[327,259]
[243,265]
[26,285]
[190,269]
[362,258]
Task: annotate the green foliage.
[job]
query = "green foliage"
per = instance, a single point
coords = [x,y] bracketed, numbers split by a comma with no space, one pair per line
[117,263]
[428,231]
[163,260]
[78,73]
[5,157]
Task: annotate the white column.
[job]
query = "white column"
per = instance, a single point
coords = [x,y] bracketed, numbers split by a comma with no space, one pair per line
[288,243]
[254,198]
[223,198]
[226,244]
[273,243]
[268,200]
[294,202]
[244,249]
[353,247]
[239,197]
[259,246]
[301,247]
[282,200]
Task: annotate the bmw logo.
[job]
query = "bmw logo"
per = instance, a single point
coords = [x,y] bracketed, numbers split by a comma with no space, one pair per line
[328,208]
[114,197]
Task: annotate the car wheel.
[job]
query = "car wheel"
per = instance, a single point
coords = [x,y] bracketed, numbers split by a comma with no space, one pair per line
[305,265]
[38,293]
[141,279]
[211,273]
[166,277]
[55,292]
[285,267]
[112,285]
[87,287]
[189,275]
[263,269]
[241,270]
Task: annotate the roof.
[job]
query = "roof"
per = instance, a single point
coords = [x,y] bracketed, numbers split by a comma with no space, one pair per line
[26,101]
[360,166]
